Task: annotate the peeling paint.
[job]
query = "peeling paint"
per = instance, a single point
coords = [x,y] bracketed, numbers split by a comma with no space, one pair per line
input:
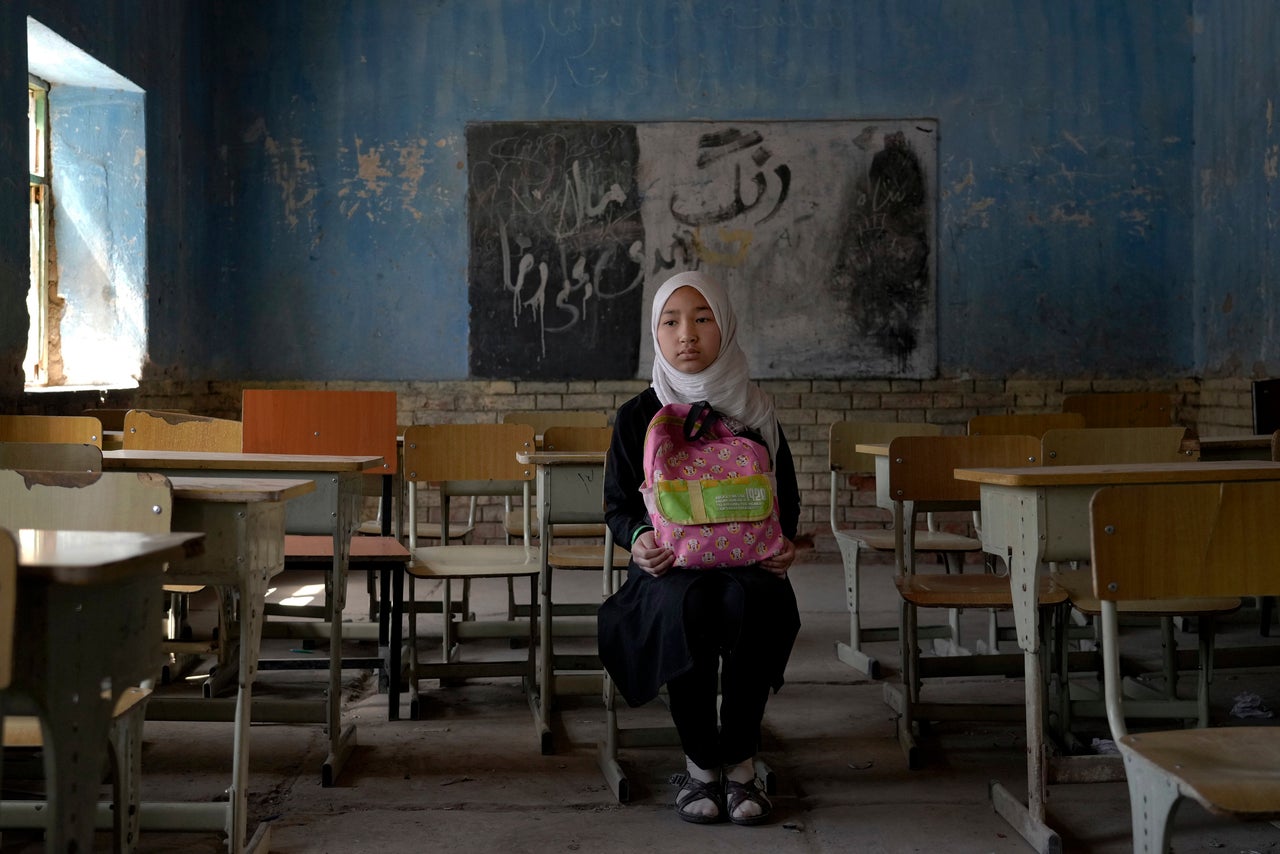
[1271,162]
[1061,213]
[292,172]
[966,182]
[1075,142]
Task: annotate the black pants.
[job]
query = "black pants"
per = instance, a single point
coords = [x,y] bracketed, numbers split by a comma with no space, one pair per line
[713,611]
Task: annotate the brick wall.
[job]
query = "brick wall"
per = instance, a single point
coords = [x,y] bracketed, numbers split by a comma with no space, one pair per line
[806,409]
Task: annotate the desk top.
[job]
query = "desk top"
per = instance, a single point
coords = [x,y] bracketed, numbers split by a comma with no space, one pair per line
[540,458]
[875,449]
[162,460]
[1188,472]
[97,557]
[239,490]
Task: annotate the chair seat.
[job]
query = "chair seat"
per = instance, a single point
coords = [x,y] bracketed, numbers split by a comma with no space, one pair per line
[318,548]
[1079,587]
[881,539]
[586,557]
[1229,770]
[969,591]
[473,562]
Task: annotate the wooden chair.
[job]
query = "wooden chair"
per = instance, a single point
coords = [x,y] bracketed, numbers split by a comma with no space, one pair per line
[921,480]
[50,456]
[541,421]
[1023,423]
[1092,445]
[331,422]
[851,469]
[1122,409]
[100,501]
[1176,541]
[1137,445]
[466,460]
[157,430]
[70,429]
[168,430]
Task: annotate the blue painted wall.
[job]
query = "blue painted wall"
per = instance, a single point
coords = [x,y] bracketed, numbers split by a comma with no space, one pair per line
[306,160]
[1236,188]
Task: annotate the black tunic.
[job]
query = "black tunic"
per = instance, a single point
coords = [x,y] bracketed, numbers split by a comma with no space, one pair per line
[641,626]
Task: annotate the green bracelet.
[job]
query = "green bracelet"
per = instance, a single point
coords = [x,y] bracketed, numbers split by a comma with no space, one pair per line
[640,531]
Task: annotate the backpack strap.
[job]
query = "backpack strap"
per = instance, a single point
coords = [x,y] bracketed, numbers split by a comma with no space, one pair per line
[699,421]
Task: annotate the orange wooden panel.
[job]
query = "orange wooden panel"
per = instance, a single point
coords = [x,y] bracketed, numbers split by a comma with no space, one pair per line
[321,421]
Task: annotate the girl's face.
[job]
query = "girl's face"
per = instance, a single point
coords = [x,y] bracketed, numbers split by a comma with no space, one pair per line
[688,334]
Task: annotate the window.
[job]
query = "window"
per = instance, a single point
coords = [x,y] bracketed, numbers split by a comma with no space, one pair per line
[36,363]
[87,144]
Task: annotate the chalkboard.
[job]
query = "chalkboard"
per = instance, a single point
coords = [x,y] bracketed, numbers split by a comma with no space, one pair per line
[823,232]
[555,234]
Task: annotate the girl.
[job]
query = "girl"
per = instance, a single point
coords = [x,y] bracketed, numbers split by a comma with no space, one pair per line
[673,625]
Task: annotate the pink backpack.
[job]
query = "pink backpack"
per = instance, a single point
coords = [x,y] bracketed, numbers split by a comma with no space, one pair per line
[709,492]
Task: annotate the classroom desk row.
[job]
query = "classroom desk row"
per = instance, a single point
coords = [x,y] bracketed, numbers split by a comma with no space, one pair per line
[242,504]
[1032,516]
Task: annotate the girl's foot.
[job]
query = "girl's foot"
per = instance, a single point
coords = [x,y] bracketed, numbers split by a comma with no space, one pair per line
[747,803]
[701,797]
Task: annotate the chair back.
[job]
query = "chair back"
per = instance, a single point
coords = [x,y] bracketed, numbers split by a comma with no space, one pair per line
[1104,445]
[72,429]
[1023,423]
[113,419]
[100,501]
[468,453]
[540,420]
[1173,540]
[50,456]
[565,438]
[1122,409]
[157,430]
[8,604]
[470,460]
[321,421]
[845,436]
[921,468]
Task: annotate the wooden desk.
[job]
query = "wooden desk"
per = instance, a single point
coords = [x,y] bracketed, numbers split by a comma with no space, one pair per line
[243,520]
[570,491]
[85,630]
[331,508]
[1035,515]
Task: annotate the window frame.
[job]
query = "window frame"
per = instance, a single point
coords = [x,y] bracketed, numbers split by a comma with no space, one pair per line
[36,360]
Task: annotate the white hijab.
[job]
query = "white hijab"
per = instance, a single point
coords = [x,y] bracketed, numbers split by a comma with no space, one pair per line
[725,383]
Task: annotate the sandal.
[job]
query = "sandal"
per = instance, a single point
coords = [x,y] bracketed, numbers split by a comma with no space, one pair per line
[692,791]
[739,793]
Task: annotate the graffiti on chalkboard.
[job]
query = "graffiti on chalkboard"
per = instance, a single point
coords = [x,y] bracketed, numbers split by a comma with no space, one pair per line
[555,243]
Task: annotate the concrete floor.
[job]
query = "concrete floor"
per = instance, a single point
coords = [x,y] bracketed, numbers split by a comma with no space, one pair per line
[469,776]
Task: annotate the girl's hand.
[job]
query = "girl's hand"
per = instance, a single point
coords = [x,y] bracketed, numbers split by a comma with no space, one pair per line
[651,557]
[781,562]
